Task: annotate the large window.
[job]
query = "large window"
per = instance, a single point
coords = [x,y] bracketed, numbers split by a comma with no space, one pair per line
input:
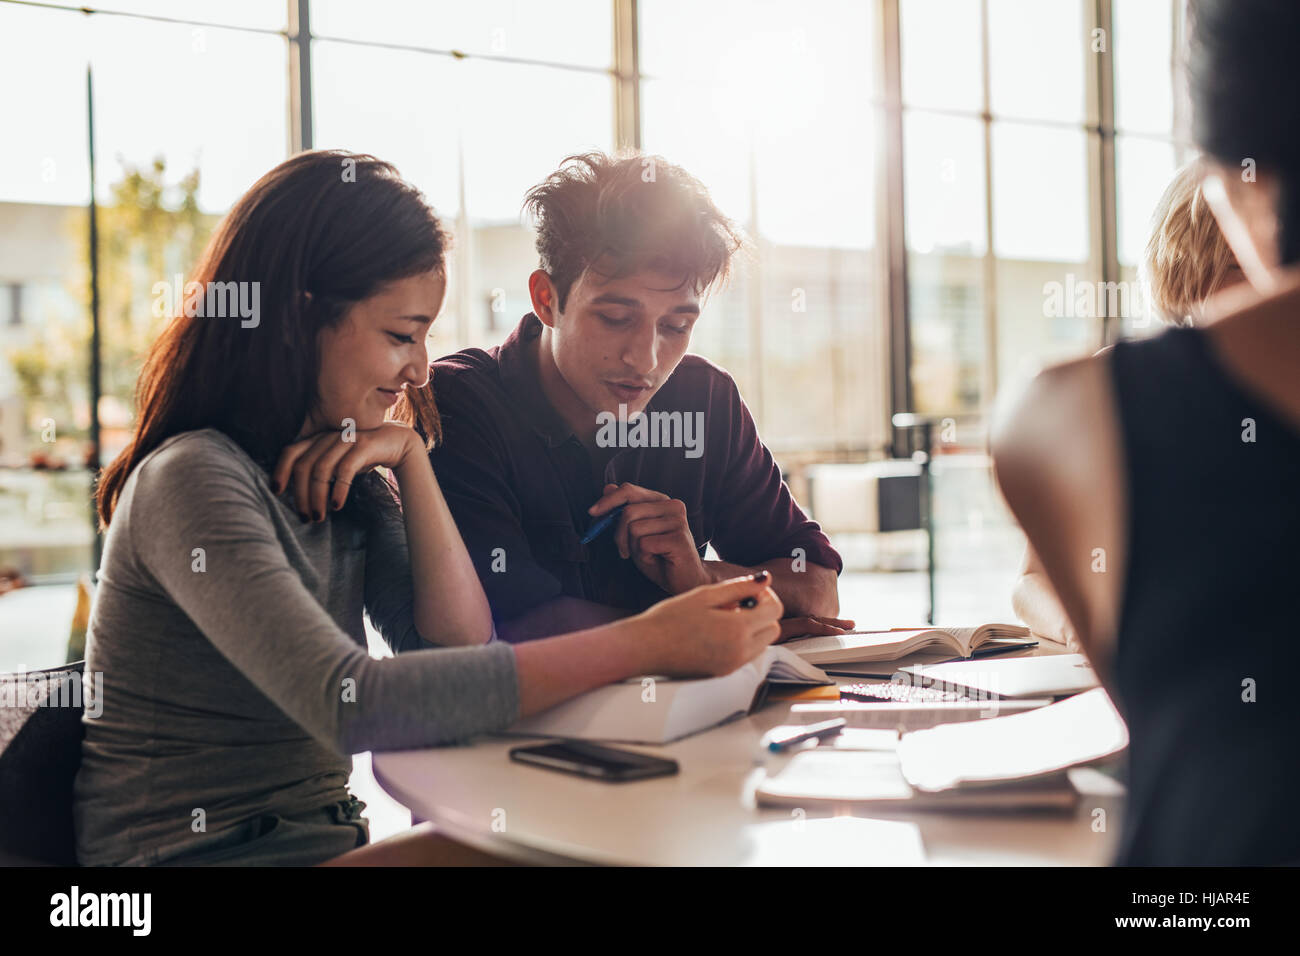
[993,120]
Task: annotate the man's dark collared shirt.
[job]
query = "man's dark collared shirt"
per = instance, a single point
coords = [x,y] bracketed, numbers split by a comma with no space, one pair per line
[519,482]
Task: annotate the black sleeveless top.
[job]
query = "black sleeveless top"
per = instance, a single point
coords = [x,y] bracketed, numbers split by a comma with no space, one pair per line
[1208,653]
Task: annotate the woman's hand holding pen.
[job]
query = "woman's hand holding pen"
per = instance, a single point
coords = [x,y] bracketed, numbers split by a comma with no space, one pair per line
[713,629]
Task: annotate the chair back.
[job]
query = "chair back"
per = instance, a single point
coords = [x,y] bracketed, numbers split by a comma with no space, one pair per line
[40,750]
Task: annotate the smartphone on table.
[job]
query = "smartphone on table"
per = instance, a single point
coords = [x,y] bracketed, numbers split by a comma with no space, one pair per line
[594,760]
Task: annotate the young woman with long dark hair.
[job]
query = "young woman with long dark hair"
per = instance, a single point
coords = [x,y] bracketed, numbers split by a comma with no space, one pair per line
[248,531]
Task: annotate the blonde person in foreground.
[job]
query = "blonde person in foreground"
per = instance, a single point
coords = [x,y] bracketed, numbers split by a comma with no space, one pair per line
[247,531]
[1187,261]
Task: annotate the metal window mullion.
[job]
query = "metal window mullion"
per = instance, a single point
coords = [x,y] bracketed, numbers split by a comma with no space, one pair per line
[301,135]
[1180,132]
[893,300]
[1104,225]
[627,75]
[989,267]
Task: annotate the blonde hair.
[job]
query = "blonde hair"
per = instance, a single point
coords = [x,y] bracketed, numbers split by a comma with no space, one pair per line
[1187,257]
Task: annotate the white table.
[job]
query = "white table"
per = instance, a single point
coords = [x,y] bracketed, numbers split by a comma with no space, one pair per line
[705,814]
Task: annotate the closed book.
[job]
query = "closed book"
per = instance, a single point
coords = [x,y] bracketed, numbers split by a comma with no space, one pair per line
[656,710]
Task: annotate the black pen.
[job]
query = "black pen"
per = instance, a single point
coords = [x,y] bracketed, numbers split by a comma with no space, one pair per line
[752,602]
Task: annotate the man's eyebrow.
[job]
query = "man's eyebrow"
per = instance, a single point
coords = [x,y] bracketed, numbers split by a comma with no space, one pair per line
[687,309]
[617,300]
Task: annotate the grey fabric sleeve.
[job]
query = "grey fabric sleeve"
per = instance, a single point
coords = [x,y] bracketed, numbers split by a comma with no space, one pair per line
[252,605]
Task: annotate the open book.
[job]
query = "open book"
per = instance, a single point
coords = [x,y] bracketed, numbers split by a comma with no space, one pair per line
[864,646]
[655,710]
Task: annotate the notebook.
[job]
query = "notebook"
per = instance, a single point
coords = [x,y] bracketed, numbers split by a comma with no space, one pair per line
[1015,761]
[858,646]
[656,710]
[1023,677]
[877,779]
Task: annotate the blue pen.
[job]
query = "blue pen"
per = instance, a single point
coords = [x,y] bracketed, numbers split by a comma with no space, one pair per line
[827,728]
[600,524]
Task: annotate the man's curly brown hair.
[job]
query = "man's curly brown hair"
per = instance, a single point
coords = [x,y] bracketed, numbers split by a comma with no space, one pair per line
[620,214]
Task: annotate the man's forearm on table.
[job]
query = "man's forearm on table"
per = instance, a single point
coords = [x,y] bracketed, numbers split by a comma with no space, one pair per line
[812,592]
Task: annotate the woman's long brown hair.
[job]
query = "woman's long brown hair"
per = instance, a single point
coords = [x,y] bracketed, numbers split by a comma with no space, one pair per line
[333,224]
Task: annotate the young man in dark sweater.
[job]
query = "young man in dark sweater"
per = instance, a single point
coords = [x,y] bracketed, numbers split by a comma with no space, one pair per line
[593,405]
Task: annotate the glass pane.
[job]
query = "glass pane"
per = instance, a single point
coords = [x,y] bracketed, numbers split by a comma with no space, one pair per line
[945,228]
[1040,193]
[45,530]
[513,139]
[508,102]
[582,36]
[757,48]
[946,320]
[1041,239]
[784,98]
[770,106]
[256,14]
[395,105]
[1143,53]
[1036,59]
[722,335]
[44,351]
[943,181]
[821,346]
[941,54]
[227,118]
[695,129]
[815,163]
[719,38]
[1047,312]
[365,98]
[1143,168]
[43,54]
[175,157]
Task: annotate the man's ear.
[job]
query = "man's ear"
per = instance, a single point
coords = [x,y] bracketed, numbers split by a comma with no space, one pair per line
[545,299]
